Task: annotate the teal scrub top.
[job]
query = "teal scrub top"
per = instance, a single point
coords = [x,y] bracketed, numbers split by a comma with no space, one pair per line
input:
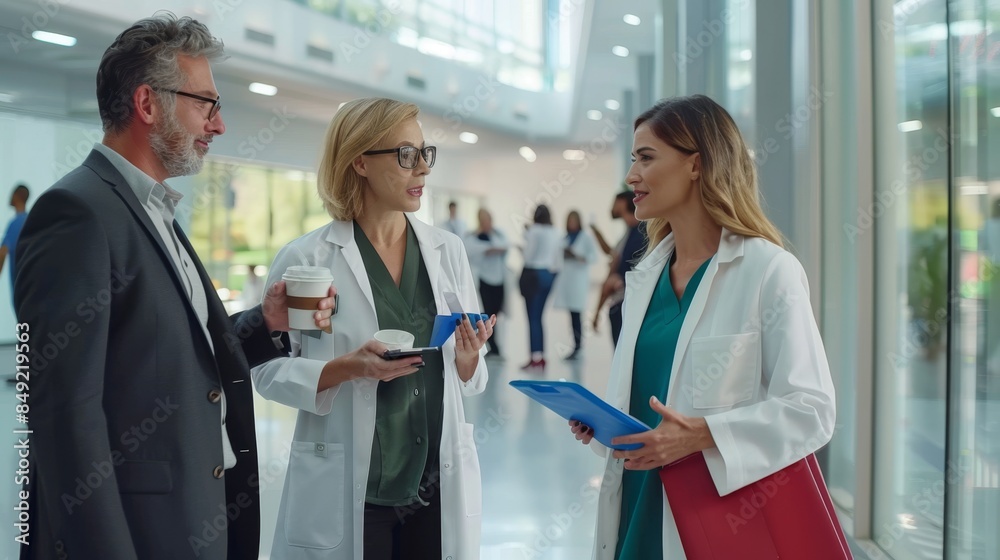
[409,409]
[640,529]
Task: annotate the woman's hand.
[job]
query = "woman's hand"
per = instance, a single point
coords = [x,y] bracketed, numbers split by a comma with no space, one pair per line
[468,342]
[366,362]
[582,432]
[676,437]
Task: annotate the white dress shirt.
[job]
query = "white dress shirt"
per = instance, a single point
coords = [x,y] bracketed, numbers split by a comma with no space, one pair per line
[542,247]
[488,268]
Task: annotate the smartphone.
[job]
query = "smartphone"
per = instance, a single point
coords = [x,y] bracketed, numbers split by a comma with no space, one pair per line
[409,352]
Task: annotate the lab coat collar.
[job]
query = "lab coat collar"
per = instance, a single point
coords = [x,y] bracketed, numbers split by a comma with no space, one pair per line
[430,239]
[341,233]
[730,248]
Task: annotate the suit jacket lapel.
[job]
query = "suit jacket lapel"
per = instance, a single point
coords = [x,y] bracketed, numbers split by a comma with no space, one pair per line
[107,171]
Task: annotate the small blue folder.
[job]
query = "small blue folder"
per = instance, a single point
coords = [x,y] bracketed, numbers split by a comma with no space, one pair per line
[444,326]
[573,401]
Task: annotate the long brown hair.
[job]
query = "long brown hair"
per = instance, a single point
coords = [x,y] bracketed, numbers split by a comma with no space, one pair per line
[728,178]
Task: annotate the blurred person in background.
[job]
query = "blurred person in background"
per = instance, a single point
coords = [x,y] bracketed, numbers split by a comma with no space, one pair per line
[383,464]
[8,248]
[542,247]
[487,248]
[696,359]
[624,256]
[572,284]
[454,224]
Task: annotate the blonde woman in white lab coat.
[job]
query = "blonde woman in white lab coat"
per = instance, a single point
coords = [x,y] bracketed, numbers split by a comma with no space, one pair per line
[382,461]
[572,284]
[719,349]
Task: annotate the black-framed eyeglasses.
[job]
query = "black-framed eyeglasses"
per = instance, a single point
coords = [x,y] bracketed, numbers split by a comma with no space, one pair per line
[216,103]
[407,155]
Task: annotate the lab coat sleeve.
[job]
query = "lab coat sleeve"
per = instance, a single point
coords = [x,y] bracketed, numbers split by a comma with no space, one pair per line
[470,301]
[292,381]
[796,412]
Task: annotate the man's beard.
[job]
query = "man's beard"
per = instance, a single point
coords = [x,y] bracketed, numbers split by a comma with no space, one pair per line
[175,147]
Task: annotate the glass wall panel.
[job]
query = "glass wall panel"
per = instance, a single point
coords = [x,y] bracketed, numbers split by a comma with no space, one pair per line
[973,467]
[242,215]
[839,316]
[910,212]
[740,98]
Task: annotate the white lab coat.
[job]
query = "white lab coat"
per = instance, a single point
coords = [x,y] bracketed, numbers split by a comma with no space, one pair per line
[322,504]
[572,284]
[749,359]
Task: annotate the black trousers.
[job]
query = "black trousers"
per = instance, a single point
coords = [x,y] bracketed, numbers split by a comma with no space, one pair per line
[615,315]
[492,305]
[404,532]
[577,321]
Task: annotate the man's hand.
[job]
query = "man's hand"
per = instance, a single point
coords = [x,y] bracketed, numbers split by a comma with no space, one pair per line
[613,284]
[275,308]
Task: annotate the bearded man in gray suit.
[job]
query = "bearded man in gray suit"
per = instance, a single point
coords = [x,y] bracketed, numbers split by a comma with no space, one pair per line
[143,443]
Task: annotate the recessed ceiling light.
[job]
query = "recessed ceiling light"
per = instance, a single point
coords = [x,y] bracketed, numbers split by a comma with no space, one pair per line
[619,51]
[910,126]
[574,155]
[594,115]
[632,19]
[264,89]
[746,54]
[528,154]
[469,137]
[54,38]
[612,105]
[975,189]
[995,112]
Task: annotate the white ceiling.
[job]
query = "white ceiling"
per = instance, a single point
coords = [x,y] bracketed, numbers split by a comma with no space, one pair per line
[604,76]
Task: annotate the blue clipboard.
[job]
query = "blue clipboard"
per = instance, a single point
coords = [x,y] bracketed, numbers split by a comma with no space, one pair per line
[573,401]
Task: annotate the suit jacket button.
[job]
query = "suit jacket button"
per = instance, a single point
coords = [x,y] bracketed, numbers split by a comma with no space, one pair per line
[219,472]
[214,396]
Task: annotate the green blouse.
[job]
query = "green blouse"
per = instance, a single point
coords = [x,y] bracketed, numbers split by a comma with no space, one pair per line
[640,529]
[408,412]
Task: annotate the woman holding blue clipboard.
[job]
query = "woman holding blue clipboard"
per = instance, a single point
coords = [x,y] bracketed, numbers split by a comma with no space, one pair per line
[717,325]
[382,462]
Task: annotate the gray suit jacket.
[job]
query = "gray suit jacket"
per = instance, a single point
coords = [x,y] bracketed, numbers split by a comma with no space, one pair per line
[124,390]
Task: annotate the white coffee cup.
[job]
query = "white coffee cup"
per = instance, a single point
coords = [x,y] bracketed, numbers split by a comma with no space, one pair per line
[395,339]
[305,286]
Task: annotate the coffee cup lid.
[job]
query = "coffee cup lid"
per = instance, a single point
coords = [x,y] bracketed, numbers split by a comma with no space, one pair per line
[307,273]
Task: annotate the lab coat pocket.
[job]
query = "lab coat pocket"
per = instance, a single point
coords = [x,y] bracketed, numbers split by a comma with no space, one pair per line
[316,510]
[469,480]
[726,369]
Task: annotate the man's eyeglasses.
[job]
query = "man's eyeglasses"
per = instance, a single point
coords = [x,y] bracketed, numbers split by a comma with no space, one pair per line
[407,155]
[216,103]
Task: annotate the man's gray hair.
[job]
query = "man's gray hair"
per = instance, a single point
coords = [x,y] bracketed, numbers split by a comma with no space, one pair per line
[146,53]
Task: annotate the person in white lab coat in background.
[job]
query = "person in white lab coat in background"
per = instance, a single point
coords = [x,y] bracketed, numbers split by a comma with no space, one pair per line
[382,464]
[573,281]
[719,347]
[487,247]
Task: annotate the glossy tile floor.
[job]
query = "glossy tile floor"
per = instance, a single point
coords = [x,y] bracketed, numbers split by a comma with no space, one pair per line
[534,473]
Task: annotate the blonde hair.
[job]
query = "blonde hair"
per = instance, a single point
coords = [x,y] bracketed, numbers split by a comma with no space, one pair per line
[360,125]
[728,178]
